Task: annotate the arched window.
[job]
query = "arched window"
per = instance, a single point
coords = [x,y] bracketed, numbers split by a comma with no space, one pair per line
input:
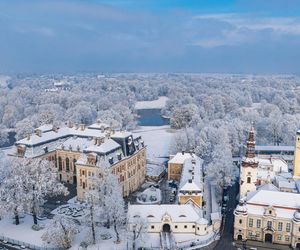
[74,166]
[59,163]
[240,221]
[67,164]
[248,179]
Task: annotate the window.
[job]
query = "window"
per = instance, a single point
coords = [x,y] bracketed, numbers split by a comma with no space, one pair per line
[193,226]
[152,227]
[280,226]
[248,179]
[176,226]
[185,226]
[74,166]
[67,164]
[59,164]
[240,221]
[287,238]
[83,185]
[269,224]
[288,227]
[258,223]
[279,237]
[270,211]
[250,222]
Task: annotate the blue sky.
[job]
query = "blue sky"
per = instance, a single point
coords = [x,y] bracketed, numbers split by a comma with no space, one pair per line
[241,36]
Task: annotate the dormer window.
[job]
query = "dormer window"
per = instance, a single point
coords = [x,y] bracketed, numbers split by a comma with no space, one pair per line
[92,158]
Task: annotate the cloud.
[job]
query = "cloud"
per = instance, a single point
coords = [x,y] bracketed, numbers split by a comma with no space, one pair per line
[78,36]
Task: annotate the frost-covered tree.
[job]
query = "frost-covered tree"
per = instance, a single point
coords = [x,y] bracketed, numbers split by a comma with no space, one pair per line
[60,232]
[13,196]
[94,206]
[221,168]
[40,181]
[138,228]
[114,203]
[3,135]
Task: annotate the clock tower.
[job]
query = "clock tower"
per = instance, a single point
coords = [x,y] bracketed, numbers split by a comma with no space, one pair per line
[248,170]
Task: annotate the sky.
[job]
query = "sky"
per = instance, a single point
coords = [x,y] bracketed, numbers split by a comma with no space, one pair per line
[209,36]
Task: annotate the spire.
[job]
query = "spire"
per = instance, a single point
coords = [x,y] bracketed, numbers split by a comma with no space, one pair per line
[250,153]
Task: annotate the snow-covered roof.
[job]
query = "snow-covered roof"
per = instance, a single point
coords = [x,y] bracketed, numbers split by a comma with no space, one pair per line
[190,186]
[121,134]
[191,176]
[180,158]
[287,184]
[108,145]
[275,148]
[275,198]
[155,213]
[45,127]
[268,186]
[99,126]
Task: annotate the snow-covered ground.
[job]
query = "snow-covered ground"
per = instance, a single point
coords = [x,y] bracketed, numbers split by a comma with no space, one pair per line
[155,104]
[158,141]
[22,232]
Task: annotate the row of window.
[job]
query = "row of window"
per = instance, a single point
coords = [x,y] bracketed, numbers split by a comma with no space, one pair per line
[270,225]
[279,237]
[176,226]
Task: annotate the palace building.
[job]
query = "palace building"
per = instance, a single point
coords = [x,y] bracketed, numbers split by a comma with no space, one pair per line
[78,153]
[269,208]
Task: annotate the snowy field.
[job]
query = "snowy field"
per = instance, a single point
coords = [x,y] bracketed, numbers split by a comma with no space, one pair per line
[156,104]
[158,141]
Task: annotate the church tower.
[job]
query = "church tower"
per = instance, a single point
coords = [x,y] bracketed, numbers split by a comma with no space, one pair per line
[248,170]
[296,171]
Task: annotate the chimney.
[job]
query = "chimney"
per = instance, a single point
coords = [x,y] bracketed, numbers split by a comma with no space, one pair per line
[98,141]
[76,126]
[82,127]
[70,124]
[28,137]
[38,132]
[95,140]
[182,152]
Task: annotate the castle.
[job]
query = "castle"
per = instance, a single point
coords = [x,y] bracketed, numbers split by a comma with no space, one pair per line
[79,153]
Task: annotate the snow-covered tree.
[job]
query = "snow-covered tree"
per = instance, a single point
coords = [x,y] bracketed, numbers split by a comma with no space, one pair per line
[60,232]
[13,196]
[92,200]
[40,181]
[114,203]
[138,228]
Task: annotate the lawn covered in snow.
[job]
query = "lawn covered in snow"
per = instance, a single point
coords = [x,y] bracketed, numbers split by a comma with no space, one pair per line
[158,141]
[155,104]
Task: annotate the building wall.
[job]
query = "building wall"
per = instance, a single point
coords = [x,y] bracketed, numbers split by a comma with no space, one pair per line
[67,173]
[247,173]
[197,199]
[131,173]
[174,171]
[253,230]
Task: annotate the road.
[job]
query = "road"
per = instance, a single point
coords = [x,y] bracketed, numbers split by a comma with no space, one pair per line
[227,231]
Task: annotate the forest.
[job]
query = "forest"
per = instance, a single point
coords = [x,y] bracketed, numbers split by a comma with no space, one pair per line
[212,112]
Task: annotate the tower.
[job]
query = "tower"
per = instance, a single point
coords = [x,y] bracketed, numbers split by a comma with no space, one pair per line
[296,171]
[248,171]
